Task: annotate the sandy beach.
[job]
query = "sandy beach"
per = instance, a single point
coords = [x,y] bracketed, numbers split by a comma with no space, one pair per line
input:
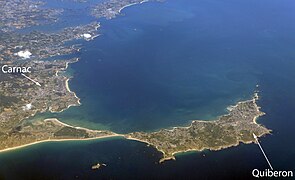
[58,140]
[132,5]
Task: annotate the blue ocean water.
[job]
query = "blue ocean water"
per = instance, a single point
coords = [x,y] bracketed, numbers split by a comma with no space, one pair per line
[148,72]
[164,64]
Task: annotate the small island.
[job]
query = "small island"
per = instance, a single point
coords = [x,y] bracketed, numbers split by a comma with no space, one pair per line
[98,166]
[21,99]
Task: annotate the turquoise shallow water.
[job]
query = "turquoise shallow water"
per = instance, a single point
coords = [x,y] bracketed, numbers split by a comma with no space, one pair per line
[162,65]
[147,72]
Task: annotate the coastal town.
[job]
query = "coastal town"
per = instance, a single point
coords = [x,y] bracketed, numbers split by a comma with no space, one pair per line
[18,14]
[32,76]
[39,45]
[229,130]
[21,97]
[110,9]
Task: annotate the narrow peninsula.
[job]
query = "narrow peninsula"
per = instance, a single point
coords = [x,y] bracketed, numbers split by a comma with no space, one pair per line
[229,130]
[43,54]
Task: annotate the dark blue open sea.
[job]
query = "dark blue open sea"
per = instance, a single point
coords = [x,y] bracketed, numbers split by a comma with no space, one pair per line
[160,65]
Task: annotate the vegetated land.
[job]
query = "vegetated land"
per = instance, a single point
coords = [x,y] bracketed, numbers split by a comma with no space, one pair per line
[21,98]
[229,130]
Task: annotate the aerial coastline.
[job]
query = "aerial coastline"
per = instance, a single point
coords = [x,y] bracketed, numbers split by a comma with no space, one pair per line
[146,89]
[163,140]
[55,95]
[57,140]
[69,90]
[128,5]
[170,155]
